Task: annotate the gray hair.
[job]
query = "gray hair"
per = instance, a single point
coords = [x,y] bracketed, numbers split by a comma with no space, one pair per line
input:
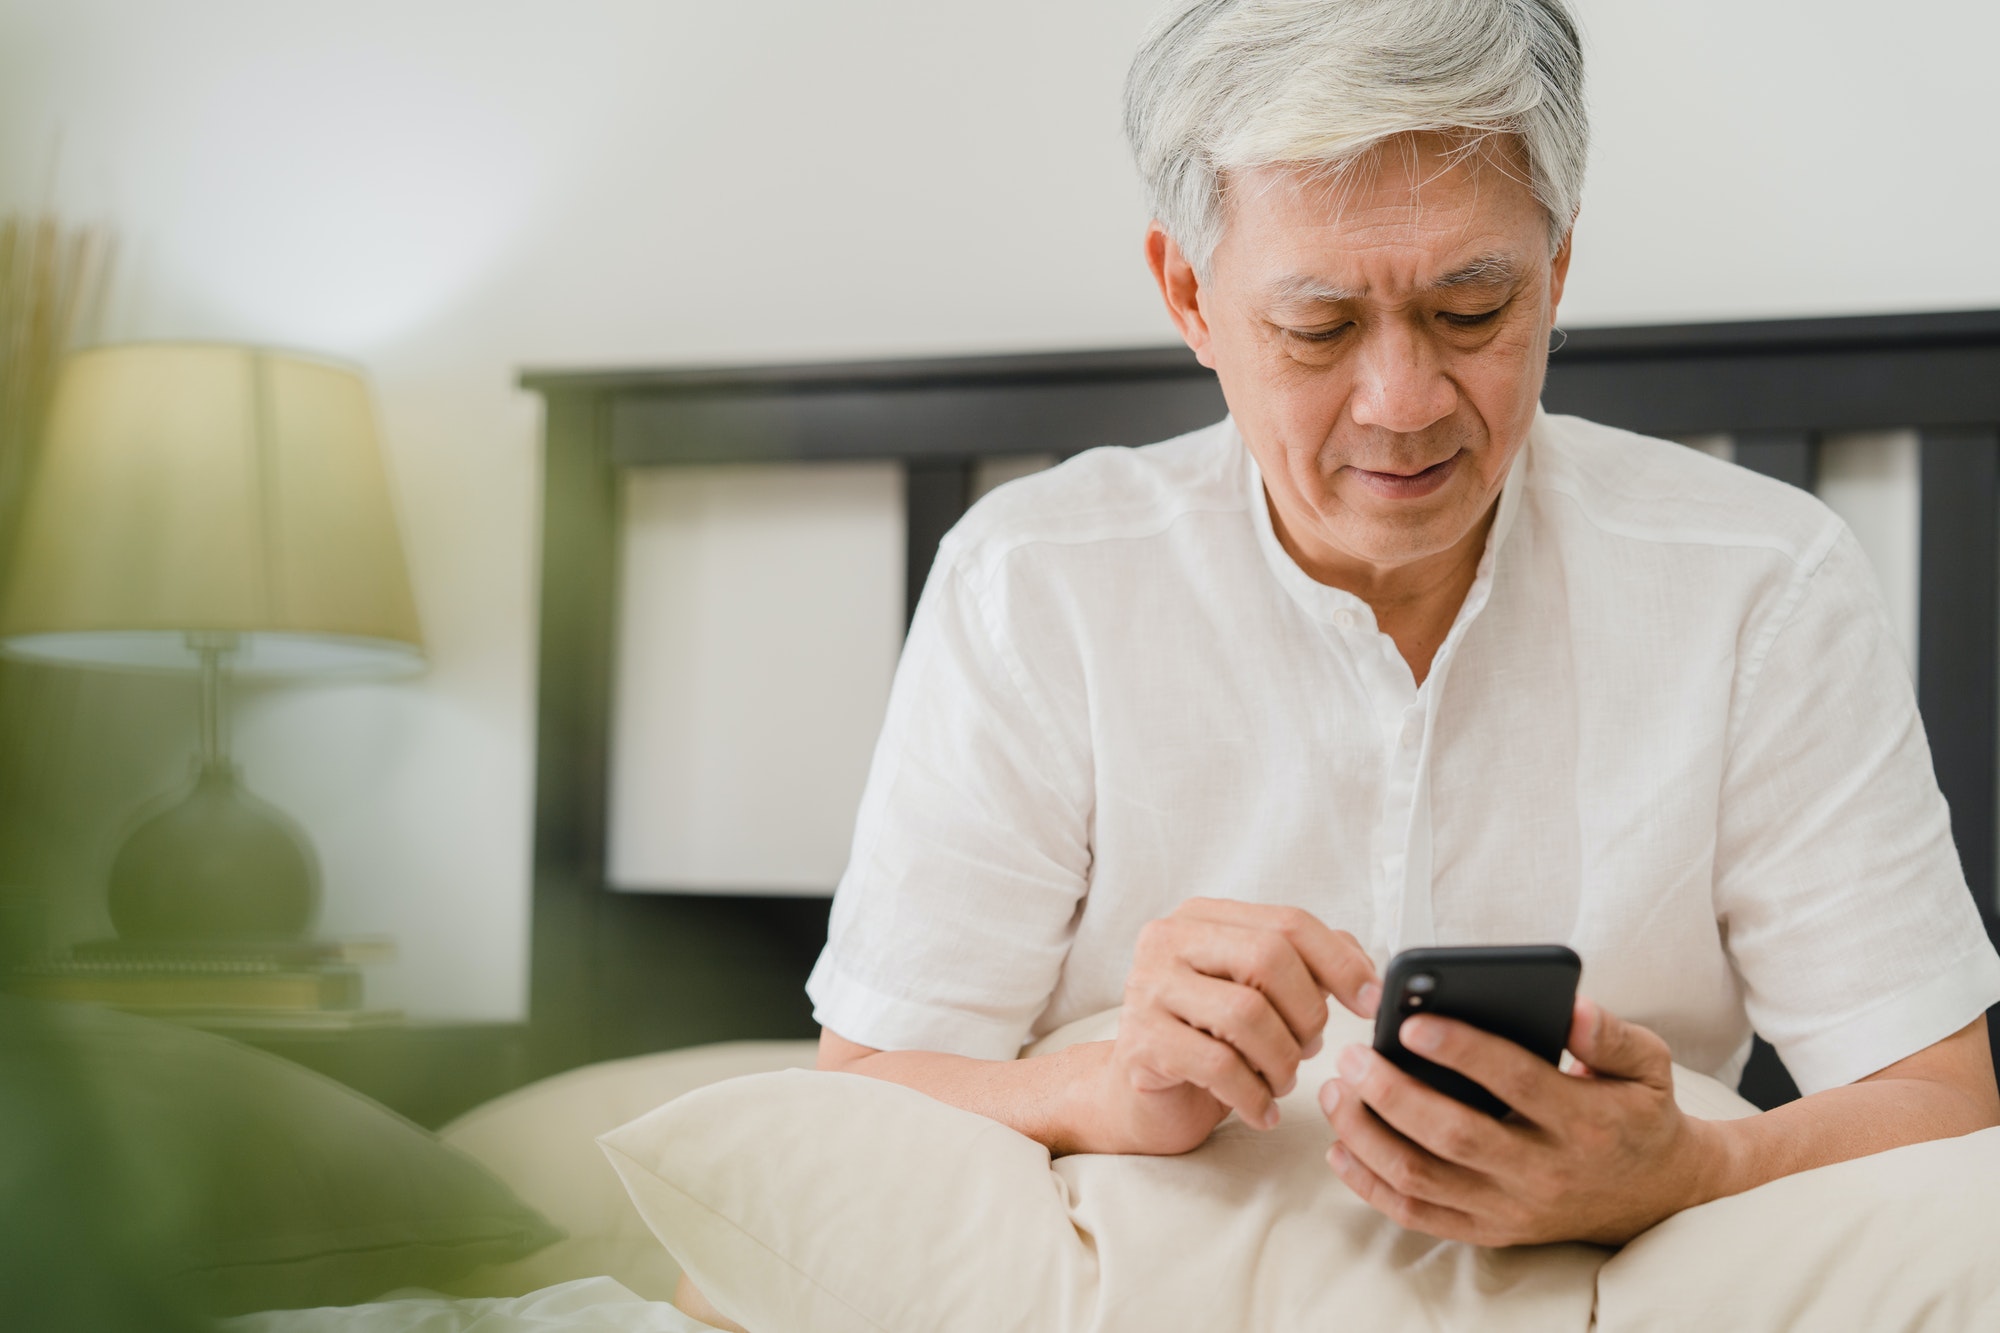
[1222,86]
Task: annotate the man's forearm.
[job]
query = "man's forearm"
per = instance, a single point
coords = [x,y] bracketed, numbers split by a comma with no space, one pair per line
[1044,1097]
[1942,1093]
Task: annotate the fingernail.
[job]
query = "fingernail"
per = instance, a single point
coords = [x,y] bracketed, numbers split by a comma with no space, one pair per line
[1270,1117]
[1419,1035]
[1353,1063]
[1370,997]
[1329,1096]
[1339,1157]
[1313,1047]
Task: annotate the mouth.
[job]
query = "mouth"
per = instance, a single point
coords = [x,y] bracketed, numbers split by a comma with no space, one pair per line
[1408,485]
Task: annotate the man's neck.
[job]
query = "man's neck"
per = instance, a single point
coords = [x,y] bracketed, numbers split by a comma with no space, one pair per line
[1414,603]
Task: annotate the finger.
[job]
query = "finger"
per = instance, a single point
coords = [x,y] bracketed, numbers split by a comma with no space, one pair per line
[1613,1048]
[1338,962]
[1168,1053]
[1339,965]
[1405,1166]
[1240,1015]
[1442,1126]
[1523,1080]
[1257,957]
[1415,1214]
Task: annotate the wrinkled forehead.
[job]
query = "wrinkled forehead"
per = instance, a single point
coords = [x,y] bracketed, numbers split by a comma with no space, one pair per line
[1436,210]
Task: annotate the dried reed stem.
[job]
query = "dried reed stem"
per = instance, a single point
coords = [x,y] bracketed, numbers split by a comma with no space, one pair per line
[52,279]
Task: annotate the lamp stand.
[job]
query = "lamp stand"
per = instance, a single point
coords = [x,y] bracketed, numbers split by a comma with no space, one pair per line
[219,864]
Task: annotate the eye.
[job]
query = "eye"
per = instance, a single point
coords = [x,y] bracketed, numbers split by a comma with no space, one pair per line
[1472,321]
[1318,335]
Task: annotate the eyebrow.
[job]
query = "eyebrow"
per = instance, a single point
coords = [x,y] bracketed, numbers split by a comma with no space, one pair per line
[1297,289]
[1487,270]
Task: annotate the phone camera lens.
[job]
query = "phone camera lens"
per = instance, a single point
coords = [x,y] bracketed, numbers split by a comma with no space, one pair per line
[1421,984]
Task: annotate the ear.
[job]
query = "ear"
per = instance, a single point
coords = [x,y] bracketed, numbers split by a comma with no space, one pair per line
[1180,288]
[1559,270]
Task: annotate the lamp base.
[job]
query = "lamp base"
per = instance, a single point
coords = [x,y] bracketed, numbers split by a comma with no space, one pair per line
[217,865]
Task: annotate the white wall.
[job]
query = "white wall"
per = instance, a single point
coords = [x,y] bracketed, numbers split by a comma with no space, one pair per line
[1788,157]
[450,190]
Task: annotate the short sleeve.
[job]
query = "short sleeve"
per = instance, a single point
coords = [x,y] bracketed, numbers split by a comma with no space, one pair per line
[1838,888]
[972,846]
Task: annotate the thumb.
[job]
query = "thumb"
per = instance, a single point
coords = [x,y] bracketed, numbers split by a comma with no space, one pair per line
[1610,1046]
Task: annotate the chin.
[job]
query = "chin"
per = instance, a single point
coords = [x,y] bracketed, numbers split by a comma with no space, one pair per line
[1394,538]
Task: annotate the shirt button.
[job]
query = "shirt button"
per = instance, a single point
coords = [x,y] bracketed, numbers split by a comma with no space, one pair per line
[1345,619]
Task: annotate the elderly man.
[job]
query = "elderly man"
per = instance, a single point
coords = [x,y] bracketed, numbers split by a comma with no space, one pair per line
[1389,657]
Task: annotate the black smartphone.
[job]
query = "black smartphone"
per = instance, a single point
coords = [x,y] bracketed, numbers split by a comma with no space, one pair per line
[1523,992]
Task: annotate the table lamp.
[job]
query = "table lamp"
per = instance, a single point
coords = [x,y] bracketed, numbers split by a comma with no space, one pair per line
[213,509]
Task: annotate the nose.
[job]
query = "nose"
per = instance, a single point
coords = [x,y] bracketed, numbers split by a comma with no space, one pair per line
[1400,382]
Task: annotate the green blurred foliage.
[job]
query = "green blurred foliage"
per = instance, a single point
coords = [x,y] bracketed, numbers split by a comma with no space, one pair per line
[76,1253]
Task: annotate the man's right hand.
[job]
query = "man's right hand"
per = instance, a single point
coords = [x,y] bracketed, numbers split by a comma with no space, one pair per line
[1223,1001]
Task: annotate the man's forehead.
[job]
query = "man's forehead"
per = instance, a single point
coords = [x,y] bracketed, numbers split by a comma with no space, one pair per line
[1486,269]
[1415,215]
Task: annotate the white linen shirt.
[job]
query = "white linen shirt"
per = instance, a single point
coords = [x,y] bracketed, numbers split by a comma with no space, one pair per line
[1669,727]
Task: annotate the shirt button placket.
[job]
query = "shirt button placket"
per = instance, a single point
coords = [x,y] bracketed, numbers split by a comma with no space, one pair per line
[1389,690]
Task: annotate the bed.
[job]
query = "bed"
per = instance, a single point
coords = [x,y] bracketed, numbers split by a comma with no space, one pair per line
[895,1212]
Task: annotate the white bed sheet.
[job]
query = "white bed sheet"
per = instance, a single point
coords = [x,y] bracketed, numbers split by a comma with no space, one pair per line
[587,1305]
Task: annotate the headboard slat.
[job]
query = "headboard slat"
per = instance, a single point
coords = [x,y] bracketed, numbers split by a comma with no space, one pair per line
[1848,389]
[936,494]
[1789,455]
[1958,637]
[929,421]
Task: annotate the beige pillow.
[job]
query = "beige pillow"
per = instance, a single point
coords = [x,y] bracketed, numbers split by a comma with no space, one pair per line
[831,1202]
[541,1140]
[1908,1239]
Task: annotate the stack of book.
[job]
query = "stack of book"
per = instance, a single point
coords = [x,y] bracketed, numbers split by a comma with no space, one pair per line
[274,986]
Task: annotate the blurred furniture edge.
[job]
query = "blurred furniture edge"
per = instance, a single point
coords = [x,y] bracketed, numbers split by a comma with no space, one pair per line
[430,1072]
[616,974]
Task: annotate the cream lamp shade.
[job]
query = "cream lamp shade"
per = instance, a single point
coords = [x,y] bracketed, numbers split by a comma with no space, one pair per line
[188,491]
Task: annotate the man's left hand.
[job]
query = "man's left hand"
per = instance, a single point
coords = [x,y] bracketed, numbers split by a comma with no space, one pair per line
[1598,1153]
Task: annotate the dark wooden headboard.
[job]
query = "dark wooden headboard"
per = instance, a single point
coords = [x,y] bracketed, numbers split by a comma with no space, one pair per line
[619,973]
